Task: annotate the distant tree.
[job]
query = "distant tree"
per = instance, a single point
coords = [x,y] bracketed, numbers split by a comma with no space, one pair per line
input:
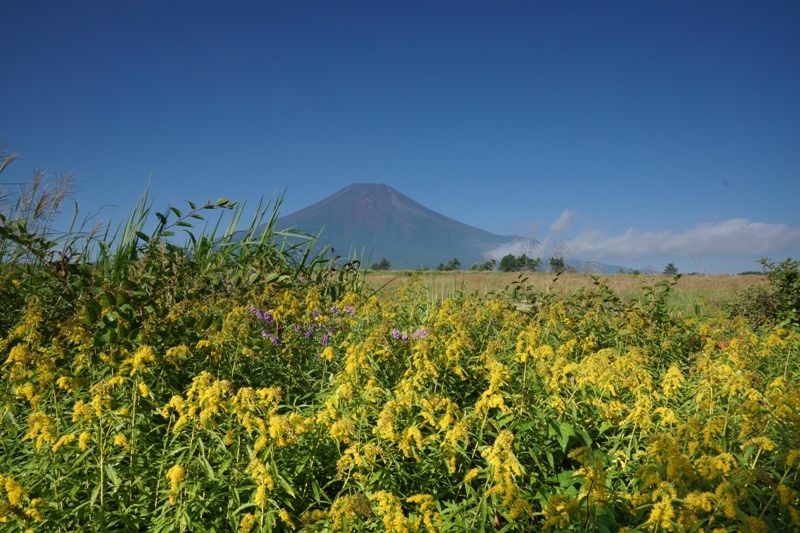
[453,264]
[382,265]
[557,264]
[491,264]
[508,263]
[671,270]
[525,263]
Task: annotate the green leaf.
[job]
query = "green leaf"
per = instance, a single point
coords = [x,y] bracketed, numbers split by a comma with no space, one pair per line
[142,236]
[95,494]
[91,311]
[176,211]
[112,475]
[562,432]
[587,440]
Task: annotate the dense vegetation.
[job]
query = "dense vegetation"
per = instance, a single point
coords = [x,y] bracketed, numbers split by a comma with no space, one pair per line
[232,384]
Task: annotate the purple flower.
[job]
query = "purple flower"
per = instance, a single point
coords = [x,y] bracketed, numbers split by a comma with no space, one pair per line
[275,340]
[315,313]
[334,310]
[263,315]
[325,339]
[309,333]
[404,337]
[298,328]
[349,309]
[420,333]
[396,334]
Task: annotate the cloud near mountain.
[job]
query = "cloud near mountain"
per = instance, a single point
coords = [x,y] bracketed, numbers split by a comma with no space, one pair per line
[737,236]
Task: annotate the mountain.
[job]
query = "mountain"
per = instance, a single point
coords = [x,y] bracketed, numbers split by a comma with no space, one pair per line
[371,221]
[376,221]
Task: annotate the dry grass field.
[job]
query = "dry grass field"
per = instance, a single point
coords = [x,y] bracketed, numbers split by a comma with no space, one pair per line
[708,291]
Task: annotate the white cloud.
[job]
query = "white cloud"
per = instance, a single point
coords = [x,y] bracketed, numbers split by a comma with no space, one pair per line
[737,236]
[531,248]
[564,222]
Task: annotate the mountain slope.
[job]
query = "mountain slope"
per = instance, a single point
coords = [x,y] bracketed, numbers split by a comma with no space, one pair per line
[378,221]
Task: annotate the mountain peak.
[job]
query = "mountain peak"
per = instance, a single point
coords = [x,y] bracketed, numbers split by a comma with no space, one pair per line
[379,221]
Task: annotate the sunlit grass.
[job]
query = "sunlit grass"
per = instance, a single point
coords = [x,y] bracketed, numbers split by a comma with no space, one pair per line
[690,294]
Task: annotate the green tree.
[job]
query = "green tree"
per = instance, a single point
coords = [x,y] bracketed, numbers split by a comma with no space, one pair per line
[525,263]
[488,265]
[557,264]
[671,270]
[453,264]
[784,278]
[508,263]
[382,265]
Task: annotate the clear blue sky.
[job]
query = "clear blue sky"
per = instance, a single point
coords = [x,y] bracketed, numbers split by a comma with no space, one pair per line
[642,132]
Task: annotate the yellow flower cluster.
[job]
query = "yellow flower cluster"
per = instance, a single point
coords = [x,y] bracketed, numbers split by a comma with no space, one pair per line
[504,469]
[176,475]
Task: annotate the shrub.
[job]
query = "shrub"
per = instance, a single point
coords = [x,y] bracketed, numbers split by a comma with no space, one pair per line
[779,302]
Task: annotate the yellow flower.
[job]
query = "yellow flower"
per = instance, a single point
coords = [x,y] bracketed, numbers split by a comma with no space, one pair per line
[83,440]
[63,441]
[283,514]
[14,492]
[672,381]
[247,523]
[33,512]
[121,440]
[176,353]
[391,511]
[39,427]
[260,498]
[327,353]
[662,514]
[472,474]
[428,515]
[176,474]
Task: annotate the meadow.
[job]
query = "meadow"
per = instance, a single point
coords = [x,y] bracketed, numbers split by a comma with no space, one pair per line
[710,292]
[234,384]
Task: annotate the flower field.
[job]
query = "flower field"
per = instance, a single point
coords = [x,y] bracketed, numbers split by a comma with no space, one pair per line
[166,388]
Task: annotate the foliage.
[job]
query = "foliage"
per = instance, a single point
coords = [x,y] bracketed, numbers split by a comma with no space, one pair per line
[778,303]
[490,264]
[508,263]
[784,277]
[671,270]
[523,263]
[382,265]
[453,264]
[557,264]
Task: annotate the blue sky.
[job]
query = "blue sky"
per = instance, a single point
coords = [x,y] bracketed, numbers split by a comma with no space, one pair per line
[640,133]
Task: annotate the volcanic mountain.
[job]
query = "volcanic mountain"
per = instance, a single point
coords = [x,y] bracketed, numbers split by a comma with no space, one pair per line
[375,221]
